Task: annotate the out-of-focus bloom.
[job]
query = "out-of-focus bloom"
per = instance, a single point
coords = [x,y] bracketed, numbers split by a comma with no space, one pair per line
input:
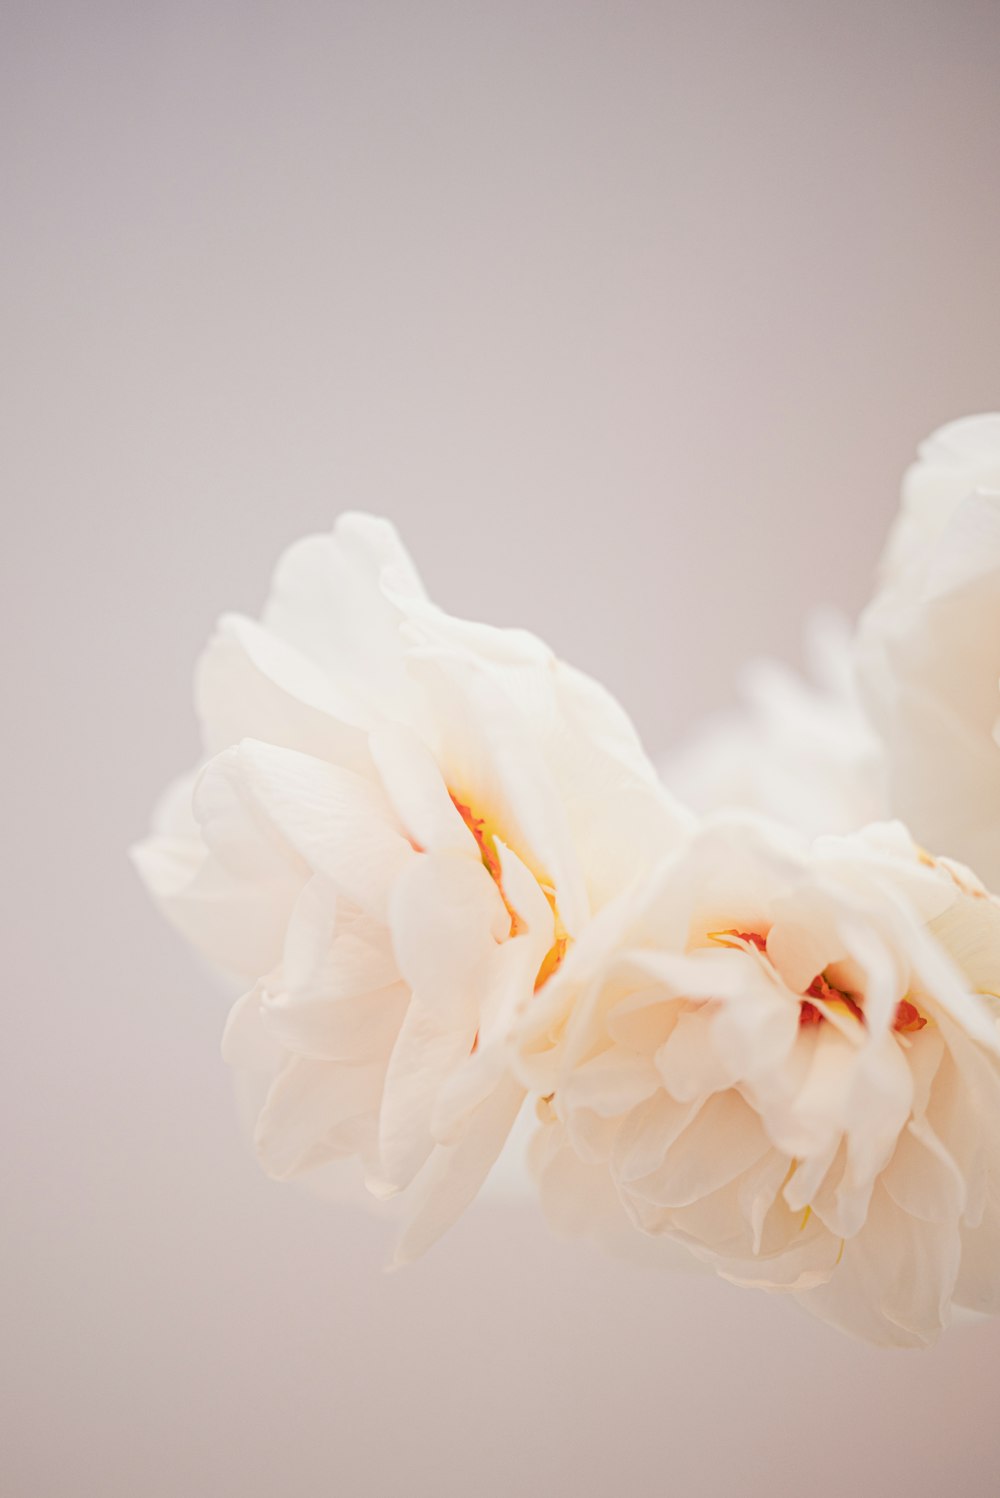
[788,1062]
[957,460]
[800,752]
[403,822]
[928,649]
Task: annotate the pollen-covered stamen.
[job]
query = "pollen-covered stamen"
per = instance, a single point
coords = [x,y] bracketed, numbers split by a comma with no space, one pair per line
[486,843]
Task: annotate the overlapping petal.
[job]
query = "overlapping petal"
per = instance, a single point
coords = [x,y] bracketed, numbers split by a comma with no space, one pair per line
[760,1050]
[403,822]
[451,885]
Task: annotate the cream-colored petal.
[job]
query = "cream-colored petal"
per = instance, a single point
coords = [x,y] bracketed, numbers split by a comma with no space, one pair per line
[249,683]
[646,1135]
[612,1083]
[722,1140]
[231,888]
[414,784]
[455,1173]
[340,825]
[330,600]
[333,949]
[894,1281]
[492,760]
[922,1178]
[446,917]
[425,1054]
[306,1105]
[359,1028]
[247,1043]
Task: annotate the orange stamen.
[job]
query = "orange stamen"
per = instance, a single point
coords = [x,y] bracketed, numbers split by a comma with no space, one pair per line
[819,988]
[760,942]
[486,843]
[908,1018]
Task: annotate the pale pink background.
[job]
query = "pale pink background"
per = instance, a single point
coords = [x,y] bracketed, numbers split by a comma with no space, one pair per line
[630,315]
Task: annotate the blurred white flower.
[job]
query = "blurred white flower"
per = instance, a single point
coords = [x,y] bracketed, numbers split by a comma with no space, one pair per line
[928,648]
[403,821]
[955,461]
[787,1062]
[801,751]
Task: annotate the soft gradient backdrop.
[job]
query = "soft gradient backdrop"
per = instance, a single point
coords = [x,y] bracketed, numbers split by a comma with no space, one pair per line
[630,315]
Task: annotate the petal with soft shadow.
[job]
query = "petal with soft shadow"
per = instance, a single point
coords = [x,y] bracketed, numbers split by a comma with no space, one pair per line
[307,1102]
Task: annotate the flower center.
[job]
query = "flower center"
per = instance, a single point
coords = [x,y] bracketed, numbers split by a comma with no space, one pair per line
[486,842]
[834,999]
[906,1020]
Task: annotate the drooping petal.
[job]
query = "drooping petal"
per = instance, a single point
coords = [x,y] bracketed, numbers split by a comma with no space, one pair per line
[425,1054]
[446,916]
[895,1278]
[455,1172]
[308,1103]
[247,1042]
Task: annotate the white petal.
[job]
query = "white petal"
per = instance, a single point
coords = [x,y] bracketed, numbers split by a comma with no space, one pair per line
[421,799]
[647,1133]
[341,825]
[333,950]
[355,1029]
[978,1284]
[305,1106]
[612,1083]
[492,760]
[455,1172]
[689,1064]
[231,891]
[922,1178]
[329,600]
[424,1056]
[446,916]
[894,1282]
[249,683]
[720,1142]
[246,1041]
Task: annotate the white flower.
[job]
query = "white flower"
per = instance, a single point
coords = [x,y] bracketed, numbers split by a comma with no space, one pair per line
[788,1063]
[402,823]
[929,649]
[804,754]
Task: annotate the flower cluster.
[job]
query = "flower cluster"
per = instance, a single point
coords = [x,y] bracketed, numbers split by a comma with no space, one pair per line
[762,1036]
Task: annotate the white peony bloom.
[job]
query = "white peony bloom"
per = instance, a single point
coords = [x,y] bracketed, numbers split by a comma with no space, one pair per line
[800,752]
[403,822]
[788,1062]
[928,649]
